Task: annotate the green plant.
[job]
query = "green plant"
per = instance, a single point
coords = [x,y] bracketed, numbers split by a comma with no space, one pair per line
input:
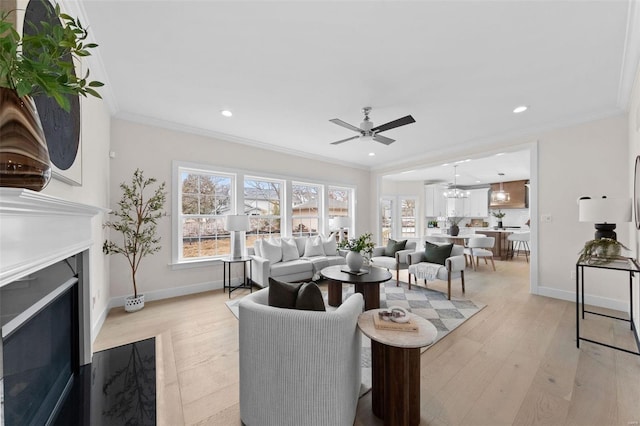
[42,63]
[137,218]
[499,214]
[600,251]
[362,244]
[455,220]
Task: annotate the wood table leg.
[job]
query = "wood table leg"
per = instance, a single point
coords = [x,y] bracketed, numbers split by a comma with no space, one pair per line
[377,379]
[335,293]
[371,294]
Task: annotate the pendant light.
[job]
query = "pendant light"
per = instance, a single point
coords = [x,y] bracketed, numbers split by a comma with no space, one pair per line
[455,192]
[500,196]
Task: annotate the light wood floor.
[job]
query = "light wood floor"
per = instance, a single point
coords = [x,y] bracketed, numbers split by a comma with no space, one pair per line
[515,362]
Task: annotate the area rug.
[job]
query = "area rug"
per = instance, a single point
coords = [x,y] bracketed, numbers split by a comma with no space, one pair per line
[445,315]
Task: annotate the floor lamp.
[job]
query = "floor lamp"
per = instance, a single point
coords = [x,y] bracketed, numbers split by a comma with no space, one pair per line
[604,213]
[237,225]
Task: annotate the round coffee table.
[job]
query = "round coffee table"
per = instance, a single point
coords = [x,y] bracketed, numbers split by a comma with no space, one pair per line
[366,284]
[395,368]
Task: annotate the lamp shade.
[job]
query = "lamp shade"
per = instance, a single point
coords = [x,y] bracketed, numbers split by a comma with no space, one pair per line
[604,210]
[237,222]
[342,222]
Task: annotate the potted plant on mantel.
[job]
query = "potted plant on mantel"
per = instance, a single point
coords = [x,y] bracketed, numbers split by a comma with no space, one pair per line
[136,220]
[356,247]
[31,65]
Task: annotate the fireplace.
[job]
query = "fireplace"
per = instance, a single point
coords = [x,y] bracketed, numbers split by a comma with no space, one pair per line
[44,302]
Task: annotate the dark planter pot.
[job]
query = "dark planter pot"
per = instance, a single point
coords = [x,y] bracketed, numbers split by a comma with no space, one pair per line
[499,224]
[454,230]
[24,157]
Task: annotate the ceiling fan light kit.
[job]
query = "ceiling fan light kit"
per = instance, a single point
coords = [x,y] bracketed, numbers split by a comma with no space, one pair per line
[368,132]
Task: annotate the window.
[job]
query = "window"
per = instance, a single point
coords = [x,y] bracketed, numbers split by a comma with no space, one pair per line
[306,207]
[408,217]
[339,200]
[204,199]
[386,219]
[262,202]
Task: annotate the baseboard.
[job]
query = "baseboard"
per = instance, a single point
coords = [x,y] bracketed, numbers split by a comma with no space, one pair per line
[99,323]
[603,302]
[170,292]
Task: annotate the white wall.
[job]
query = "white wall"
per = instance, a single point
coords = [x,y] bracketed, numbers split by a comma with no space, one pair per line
[634,150]
[153,150]
[95,134]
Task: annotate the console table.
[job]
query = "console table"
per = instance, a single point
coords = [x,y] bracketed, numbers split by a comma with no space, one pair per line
[628,265]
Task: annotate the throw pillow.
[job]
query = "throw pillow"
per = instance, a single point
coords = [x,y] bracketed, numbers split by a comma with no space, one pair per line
[271,250]
[289,250]
[330,245]
[393,246]
[313,247]
[310,298]
[434,253]
[257,247]
[282,295]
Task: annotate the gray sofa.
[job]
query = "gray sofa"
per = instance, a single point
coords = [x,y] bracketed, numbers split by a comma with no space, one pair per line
[292,259]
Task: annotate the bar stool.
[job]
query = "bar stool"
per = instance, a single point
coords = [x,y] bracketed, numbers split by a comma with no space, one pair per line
[520,241]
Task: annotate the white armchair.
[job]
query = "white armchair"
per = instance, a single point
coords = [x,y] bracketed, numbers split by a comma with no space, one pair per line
[298,367]
[397,262]
[453,267]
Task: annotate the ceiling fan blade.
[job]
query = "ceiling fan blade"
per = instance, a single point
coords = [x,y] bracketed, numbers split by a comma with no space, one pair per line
[383,139]
[393,124]
[347,125]
[344,140]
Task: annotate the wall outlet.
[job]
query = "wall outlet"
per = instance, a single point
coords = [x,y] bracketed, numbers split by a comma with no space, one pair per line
[545,218]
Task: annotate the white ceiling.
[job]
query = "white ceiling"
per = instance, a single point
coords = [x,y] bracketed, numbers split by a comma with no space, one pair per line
[285,68]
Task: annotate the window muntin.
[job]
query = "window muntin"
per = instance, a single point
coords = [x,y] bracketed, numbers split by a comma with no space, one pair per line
[263,204]
[408,217]
[205,198]
[306,207]
[386,219]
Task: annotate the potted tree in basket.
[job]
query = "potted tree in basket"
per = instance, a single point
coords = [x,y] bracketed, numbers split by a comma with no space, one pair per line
[356,247]
[136,220]
[36,64]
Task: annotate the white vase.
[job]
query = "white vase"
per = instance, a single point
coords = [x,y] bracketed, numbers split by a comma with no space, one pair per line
[354,261]
[132,304]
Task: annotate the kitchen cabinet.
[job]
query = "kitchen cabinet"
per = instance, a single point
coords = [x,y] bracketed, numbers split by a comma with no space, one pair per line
[518,194]
[435,202]
[477,205]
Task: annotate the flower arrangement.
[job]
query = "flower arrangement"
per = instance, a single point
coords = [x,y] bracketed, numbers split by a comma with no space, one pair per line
[362,244]
[455,220]
[600,251]
[499,214]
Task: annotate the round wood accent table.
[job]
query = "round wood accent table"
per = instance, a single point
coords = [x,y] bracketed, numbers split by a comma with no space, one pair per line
[395,369]
[366,284]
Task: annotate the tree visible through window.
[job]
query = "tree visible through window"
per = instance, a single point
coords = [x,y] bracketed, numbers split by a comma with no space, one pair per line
[408,217]
[205,199]
[306,204]
[262,201]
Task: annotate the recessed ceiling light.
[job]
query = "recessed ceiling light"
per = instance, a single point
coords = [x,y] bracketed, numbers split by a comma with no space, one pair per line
[519,109]
[499,154]
[371,154]
[407,171]
[226,113]
[477,181]
[445,164]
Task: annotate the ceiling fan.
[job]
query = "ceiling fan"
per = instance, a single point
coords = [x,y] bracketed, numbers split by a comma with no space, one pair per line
[367,131]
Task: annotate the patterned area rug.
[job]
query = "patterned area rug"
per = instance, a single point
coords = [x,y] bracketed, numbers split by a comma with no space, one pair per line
[445,315]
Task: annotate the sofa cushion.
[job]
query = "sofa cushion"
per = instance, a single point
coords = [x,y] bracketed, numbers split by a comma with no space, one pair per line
[330,245]
[313,247]
[292,267]
[435,253]
[283,295]
[310,298]
[289,250]
[393,246]
[300,242]
[272,250]
[257,247]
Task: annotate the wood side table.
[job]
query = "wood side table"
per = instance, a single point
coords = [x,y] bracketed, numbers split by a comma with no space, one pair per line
[395,369]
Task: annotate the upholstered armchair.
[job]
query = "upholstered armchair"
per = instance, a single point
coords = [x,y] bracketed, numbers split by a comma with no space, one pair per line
[298,367]
[399,260]
[453,267]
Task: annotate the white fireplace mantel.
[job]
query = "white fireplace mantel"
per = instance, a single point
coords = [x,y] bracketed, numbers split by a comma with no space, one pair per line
[38,230]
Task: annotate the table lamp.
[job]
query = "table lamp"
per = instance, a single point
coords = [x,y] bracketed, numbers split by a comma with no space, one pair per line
[604,213]
[341,222]
[237,225]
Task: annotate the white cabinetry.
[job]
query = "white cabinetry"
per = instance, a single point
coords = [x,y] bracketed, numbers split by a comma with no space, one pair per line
[435,203]
[477,205]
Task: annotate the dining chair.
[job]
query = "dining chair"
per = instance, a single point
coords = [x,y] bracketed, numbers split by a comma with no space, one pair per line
[480,247]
